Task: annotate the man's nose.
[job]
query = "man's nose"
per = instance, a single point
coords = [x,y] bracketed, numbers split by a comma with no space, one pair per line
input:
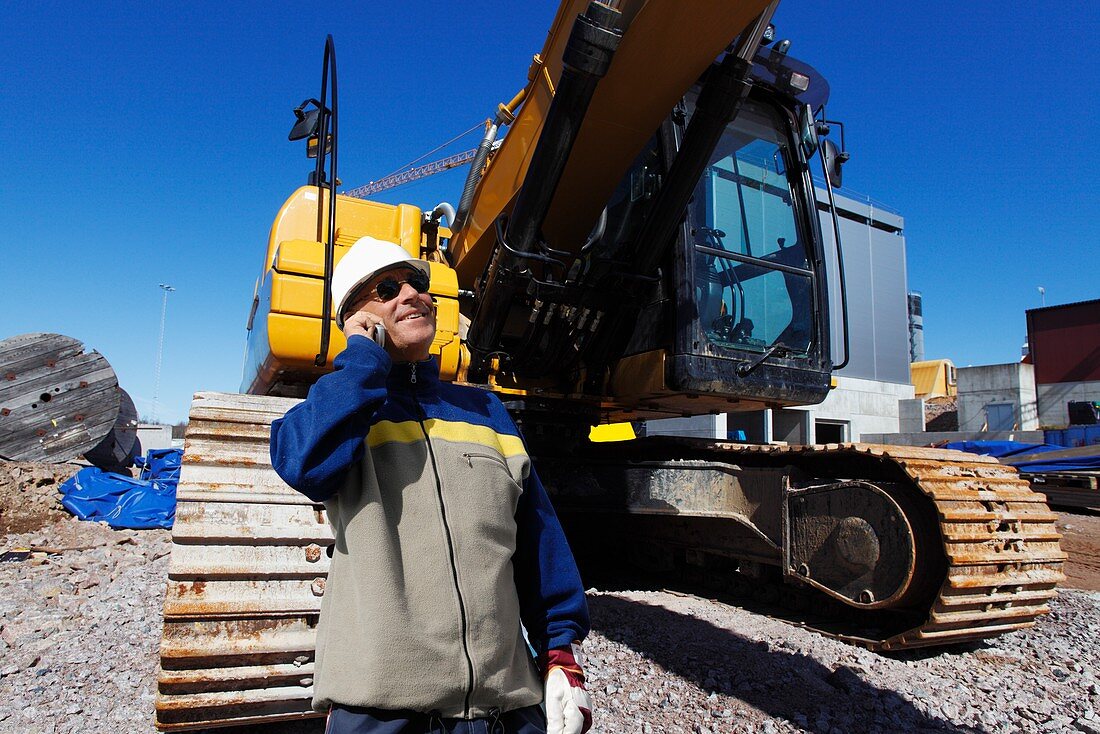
[407,294]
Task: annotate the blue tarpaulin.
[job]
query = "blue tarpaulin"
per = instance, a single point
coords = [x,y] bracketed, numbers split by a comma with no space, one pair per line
[161,465]
[999,449]
[1006,450]
[1066,464]
[125,502]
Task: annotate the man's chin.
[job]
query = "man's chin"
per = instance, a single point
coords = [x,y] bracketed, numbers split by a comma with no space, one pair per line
[411,335]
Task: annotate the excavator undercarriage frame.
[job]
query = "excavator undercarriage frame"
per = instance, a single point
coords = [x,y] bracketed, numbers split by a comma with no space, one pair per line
[923,546]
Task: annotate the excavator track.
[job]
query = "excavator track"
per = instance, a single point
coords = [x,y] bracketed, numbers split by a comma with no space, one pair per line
[245,578]
[249,562]
[1000,540]
[1001,559]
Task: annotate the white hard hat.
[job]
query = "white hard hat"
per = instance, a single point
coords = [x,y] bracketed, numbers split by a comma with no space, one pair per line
[363,260]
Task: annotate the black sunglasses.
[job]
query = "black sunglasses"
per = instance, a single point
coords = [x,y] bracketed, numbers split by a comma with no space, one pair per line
[388,288]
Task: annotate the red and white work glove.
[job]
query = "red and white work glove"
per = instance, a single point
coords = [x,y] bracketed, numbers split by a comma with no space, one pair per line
[568,707]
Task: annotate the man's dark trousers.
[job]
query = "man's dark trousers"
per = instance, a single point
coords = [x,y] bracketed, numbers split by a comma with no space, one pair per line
[354,720]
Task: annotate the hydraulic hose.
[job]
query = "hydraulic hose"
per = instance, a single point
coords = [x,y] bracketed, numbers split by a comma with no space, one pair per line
[474,176]
[505,116]
[587,56]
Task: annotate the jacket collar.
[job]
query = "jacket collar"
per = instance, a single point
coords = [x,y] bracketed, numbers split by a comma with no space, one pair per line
[414,376]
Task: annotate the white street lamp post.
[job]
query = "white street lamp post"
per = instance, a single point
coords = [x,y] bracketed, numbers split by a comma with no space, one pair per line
[160,348]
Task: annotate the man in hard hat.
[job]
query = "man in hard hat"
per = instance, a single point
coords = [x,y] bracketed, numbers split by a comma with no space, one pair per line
[445,541]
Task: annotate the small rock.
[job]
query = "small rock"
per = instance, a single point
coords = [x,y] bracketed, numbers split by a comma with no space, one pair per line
[1088,726]
[845,679]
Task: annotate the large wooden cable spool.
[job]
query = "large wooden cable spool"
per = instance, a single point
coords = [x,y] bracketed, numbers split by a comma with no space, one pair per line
[56,400]
[117,449]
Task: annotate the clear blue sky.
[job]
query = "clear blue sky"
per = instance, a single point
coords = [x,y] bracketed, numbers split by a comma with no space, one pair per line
[146,143]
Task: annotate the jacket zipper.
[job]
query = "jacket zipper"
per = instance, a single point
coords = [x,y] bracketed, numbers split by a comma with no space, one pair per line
[470,459]
[450,551]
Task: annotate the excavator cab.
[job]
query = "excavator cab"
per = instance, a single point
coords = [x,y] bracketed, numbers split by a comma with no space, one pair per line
[735,315]
[746,225]
[752,254]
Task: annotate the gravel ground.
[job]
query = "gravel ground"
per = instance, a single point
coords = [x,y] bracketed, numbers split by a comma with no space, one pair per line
[81,629]
[80,623]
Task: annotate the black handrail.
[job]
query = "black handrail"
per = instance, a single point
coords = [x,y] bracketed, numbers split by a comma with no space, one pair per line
[839,264]
[325,120]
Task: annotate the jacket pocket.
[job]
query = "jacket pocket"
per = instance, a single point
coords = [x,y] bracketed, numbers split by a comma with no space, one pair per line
[489,457]
[490,473]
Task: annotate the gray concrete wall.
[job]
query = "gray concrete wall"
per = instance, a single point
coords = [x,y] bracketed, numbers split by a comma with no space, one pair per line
[911,415]
[154,436]
[862,406]
[867,406]
[791,427]
[1053,398]
[699,426]
[1012,383]
[937,437]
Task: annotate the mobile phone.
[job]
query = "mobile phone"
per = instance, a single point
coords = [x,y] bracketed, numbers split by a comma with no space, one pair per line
[378,334]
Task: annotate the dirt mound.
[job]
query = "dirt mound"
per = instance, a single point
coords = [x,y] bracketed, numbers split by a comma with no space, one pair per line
[941,414]
[29,495]
[1081,540]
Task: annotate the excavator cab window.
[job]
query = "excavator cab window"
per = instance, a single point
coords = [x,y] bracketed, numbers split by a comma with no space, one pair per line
[753,278]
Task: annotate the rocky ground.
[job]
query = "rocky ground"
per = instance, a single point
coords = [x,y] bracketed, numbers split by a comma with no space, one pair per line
[28,495]
[80,622]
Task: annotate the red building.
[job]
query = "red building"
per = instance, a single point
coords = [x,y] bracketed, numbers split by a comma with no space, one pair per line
[1064,346]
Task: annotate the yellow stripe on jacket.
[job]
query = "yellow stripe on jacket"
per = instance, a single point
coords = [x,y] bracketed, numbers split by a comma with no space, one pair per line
[454,431]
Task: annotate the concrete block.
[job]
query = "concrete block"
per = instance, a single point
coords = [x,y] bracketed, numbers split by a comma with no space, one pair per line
[911,415]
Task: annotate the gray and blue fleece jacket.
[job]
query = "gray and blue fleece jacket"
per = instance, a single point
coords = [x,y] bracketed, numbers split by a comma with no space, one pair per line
[445,541]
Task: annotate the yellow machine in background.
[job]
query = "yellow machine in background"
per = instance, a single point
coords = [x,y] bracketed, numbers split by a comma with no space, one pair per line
[668,46]
[934,378]
[644,242]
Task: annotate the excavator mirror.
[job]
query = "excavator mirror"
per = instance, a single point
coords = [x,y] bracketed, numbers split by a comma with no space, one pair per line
[834,159]
[807,131]
[306,124]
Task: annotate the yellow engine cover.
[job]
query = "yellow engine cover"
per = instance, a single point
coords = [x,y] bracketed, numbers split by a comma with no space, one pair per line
[285,327]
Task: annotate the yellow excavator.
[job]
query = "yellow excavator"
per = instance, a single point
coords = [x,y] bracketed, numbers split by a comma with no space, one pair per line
[644,242]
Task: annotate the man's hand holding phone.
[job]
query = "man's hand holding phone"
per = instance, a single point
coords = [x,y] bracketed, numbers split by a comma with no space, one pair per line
[365,324]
